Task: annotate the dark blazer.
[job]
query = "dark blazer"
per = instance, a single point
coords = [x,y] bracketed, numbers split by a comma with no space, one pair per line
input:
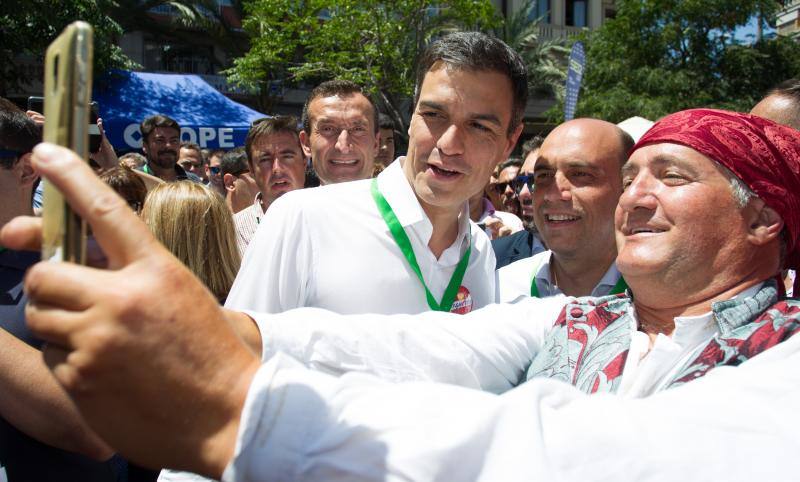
[520,245]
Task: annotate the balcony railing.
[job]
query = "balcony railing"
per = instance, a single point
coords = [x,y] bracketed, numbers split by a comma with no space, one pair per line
[550,32]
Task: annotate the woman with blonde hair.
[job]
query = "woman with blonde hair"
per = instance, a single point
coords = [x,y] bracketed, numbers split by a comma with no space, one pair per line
[195,225]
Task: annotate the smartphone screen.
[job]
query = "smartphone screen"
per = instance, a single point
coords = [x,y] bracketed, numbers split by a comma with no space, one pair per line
[36,104]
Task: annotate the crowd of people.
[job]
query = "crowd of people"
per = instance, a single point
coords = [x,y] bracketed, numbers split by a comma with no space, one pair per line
[610,305]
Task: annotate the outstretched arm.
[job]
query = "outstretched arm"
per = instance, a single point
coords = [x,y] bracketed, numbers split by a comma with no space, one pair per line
[35,404]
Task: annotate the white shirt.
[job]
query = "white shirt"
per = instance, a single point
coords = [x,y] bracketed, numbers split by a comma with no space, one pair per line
[329,247]
[514,280]
[734,424]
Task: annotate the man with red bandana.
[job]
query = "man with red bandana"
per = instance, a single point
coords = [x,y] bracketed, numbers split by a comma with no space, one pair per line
[708,216]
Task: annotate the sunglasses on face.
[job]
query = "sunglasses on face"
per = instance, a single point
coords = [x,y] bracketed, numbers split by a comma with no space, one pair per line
[500,187]
[522,180]
[215,170]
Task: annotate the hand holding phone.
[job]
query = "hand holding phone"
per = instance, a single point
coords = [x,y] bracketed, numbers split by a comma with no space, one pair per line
[67,87]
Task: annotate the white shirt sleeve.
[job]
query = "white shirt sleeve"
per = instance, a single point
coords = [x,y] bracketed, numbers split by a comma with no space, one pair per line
[276,273]
[489,349]
[734,424]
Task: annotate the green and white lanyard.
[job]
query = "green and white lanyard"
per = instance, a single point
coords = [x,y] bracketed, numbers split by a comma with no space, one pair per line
[401,238]
[618,288]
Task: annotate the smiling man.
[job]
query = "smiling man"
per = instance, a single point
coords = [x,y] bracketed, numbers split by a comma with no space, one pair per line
[402,243]
[161,141]
[576,181]
[277,163]
[340,132]
[708,215]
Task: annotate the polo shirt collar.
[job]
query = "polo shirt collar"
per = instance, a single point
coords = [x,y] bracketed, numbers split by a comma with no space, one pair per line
[609,279]
[394,186]
[744,307]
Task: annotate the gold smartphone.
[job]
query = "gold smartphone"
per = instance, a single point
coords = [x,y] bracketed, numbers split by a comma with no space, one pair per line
[67,93]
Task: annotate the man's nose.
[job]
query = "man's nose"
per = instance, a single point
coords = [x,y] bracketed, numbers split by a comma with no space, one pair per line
[451,142]
[343,142]
[560,189]
[639,193]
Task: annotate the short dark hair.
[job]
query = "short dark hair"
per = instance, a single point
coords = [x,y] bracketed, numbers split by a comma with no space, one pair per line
[341,88]
[216,153]
[18,134]
[158,120]
[626,144]
[477,51]
[233,162]
[269,126]
[192,147]
[789,89]
[531,145]
[385,122]
[510,162]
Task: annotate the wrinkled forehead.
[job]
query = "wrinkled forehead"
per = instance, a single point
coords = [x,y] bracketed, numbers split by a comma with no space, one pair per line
[164,132]
[190,152]
[341,108]
[665,154]
[276,142]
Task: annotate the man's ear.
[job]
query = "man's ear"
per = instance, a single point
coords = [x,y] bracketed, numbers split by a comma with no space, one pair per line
[304,143]
[512,140]
[765,223]
[228,180]
[377,147]
[27,174]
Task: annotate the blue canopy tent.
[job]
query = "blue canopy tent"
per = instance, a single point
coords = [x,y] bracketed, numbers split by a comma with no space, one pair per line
[206,117]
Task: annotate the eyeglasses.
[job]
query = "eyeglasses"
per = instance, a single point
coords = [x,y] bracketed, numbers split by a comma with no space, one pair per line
[500,187]
[522,180]
[215,170]
[190,165]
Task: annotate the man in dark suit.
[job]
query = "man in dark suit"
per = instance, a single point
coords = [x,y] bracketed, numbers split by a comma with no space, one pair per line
[526,243]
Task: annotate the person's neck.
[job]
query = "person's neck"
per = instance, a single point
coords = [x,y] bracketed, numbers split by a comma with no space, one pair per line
[262,200]
[578,275]
[14,204]
[657,307]
[445,226]
[167,174]
[476,208]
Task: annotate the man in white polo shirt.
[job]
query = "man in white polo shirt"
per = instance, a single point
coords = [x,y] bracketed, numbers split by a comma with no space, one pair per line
[402,243]
[576,184]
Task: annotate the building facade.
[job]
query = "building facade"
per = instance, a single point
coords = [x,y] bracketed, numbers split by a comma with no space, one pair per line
[562,18]
[787,21]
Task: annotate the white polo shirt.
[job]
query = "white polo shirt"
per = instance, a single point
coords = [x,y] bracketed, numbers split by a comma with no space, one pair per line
[514,280]
[329,247]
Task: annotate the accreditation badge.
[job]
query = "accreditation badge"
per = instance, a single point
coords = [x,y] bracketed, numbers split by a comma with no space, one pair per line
[463,302]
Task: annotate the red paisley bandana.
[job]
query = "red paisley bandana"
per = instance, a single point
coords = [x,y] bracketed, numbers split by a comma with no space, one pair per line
[763,154]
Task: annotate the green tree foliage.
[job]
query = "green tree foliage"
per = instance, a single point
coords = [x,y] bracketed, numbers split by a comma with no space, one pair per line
[546,59]
[660,56]
[375,44]
[28,26]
